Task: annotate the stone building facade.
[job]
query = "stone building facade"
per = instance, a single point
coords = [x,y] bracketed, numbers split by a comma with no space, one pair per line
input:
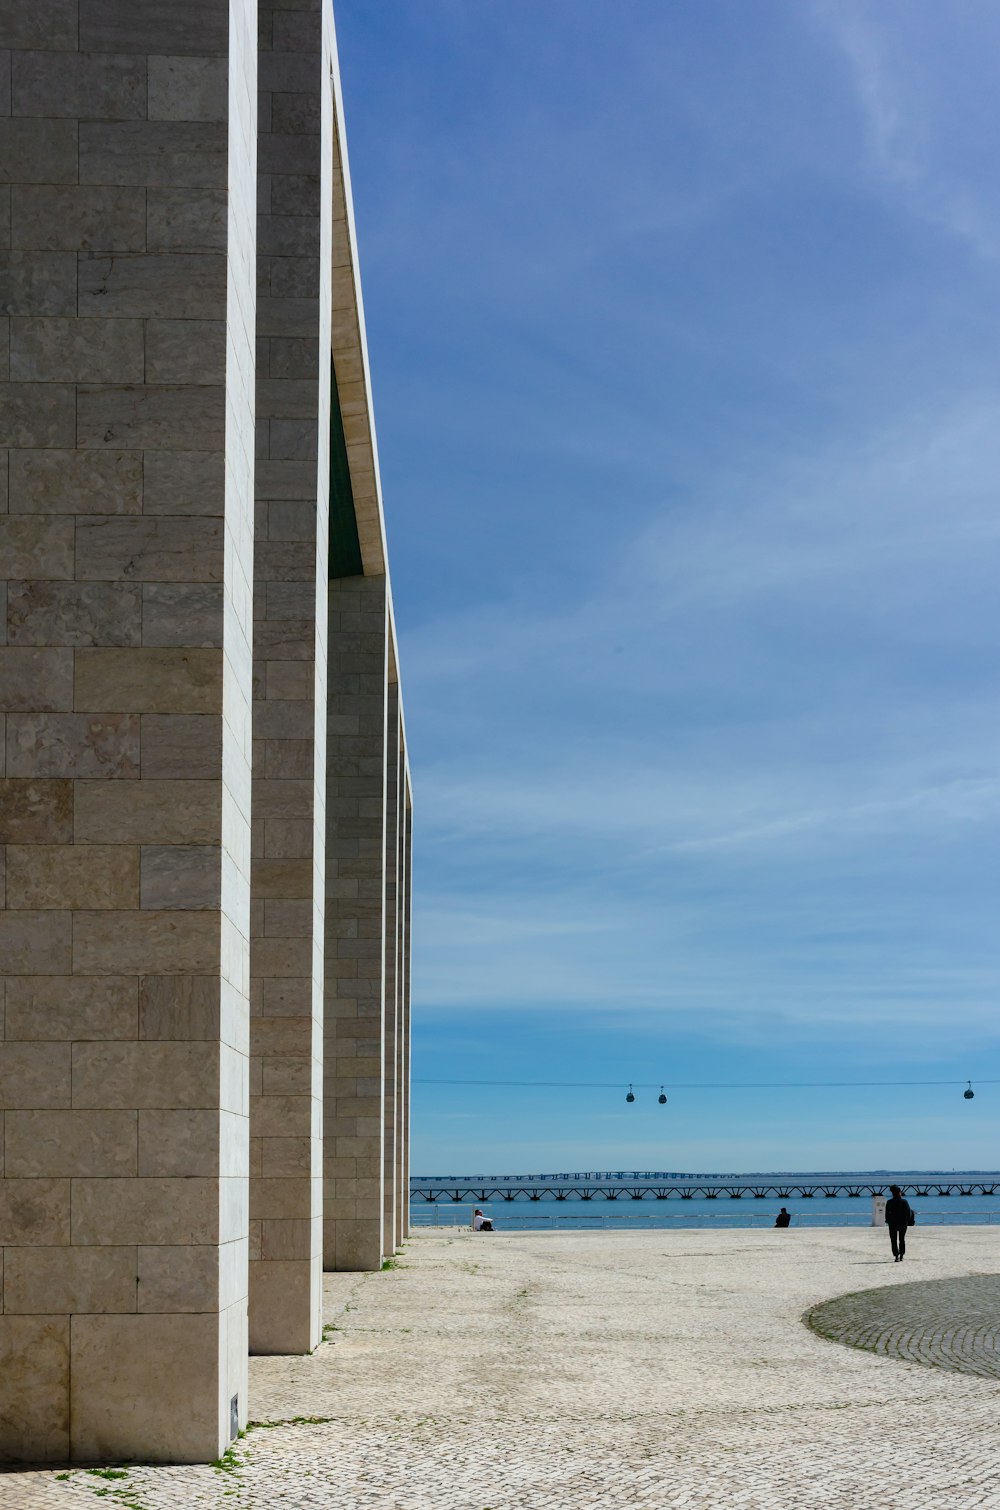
[205,816]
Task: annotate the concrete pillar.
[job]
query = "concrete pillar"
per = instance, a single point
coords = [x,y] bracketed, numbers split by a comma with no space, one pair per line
[355,924]
[126,679]
[404,1080]
[295,197]
[390,1037]
[400,900]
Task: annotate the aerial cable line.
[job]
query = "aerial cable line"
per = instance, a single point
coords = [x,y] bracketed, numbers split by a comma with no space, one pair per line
[685,1085]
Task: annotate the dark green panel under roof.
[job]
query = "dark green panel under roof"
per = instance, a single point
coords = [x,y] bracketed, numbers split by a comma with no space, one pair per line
[345,547]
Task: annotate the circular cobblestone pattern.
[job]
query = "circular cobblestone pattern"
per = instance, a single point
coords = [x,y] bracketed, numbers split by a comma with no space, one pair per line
[944,1323]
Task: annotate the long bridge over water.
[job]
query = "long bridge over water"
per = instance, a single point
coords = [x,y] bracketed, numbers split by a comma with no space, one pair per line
[647,1185]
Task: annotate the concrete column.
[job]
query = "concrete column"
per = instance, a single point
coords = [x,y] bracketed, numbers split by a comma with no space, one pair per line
[404,1120]
[390,1037]
[355,924]
[126,679]
[400,944]
[295,196]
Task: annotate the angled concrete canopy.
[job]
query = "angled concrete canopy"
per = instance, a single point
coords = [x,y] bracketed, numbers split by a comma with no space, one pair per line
[204,790]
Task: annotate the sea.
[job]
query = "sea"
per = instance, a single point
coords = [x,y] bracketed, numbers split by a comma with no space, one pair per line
[546,1203]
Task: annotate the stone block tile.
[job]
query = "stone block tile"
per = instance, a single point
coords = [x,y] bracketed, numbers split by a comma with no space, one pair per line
[35,1212]
[285,1239]
[67,1280]
[120,1396]
[282,878]
[288,759]
[282,1158]
[148,681]
[296,114]
[282,1199]
[186,220]
[179,1007]
[188,88]
[62,1007]
[34,942]
[181,1143]
[35,811]
[37,414]
[172,287]
[287,918]
[67,1144]
[147,812]
[35,679]
[34,1370]
[75,482]
[285,560]
[37,546]
[137,418]
[287,997]
[181,746]
[291,519]
[283,1313]
[48,23]
[148,1076]
[147,26]
[37,283]
[178,1279]
[285,720]
[102,86]
[293,439]
[287,397]
[182,613]
[289,235]
[293,359]
[285,479]
[158,153]
[107,1212]
[67,350]
[60,613]
[71,876]
[71,744]
[38,151]
[155,941]
[274,1115]
[34,1076]
[287,1036]
[151,550]
[5,215]
[185,351]
[294,278]
[287,317]
[296,30]
[77,218]
[282,957]
[184,483]
[181,876]
[287,1077]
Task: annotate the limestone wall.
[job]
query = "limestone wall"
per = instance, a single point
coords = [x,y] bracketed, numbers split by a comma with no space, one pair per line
[204,791]
[290,643]
[125,683]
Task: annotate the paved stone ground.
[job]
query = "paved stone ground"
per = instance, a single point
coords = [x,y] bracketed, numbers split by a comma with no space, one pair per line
[945,1323]
[580,1371]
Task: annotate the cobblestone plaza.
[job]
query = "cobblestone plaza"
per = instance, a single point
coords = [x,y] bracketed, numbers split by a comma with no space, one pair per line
[204,785]
[582,1370]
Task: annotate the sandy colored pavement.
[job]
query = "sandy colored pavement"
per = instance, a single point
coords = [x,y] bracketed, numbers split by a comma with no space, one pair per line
[598,1369]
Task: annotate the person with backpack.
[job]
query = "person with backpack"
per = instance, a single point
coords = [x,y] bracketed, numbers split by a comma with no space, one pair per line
[898,1216]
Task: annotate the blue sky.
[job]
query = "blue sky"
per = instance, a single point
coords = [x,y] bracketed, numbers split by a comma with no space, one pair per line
[683,322]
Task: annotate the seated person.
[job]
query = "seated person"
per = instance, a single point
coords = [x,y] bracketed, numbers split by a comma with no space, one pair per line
[783,1218]
[481,1223]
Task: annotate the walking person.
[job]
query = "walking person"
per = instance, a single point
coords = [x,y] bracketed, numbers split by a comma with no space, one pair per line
[898,1216]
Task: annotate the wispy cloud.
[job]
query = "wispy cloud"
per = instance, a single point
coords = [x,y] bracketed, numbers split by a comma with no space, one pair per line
[905,122]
